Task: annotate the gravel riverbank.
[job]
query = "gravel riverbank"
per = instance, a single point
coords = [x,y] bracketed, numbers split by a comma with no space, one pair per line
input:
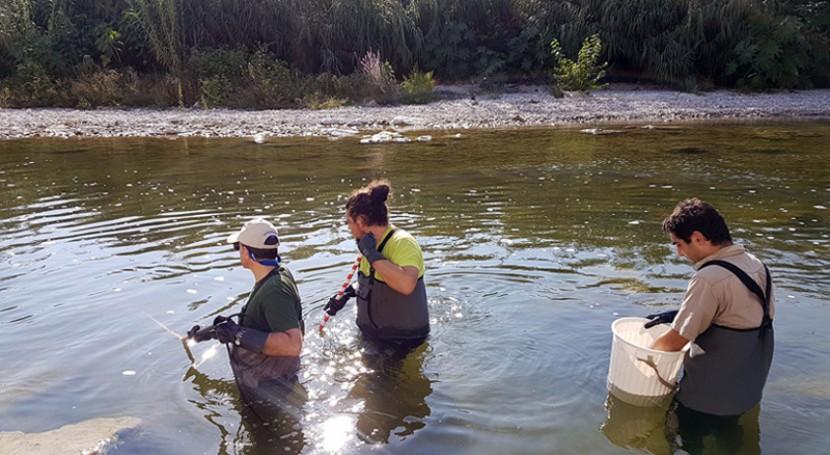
[532,106]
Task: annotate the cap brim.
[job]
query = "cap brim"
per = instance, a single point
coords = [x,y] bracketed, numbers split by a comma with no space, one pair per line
[233,238]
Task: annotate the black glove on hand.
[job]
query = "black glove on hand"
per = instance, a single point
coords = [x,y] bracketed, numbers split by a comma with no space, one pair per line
[199,334]
[337,302]
[666,317]
[228,331]
[368,247]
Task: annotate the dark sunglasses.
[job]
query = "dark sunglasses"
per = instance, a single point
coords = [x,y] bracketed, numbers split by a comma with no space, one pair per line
[236,246]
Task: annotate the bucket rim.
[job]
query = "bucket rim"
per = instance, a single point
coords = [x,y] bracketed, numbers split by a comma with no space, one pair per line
[645,348]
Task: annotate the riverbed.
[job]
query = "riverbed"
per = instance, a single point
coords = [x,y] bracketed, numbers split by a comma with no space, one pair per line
[458,108]
[535,240]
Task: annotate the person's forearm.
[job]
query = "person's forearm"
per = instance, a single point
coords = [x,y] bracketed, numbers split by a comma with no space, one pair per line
[398,278]
[287,344]
[670,341]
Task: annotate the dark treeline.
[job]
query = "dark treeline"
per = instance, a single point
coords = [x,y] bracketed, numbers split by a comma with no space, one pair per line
[278,53]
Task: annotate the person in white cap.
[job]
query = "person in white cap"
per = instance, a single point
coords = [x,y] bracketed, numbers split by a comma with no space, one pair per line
[265,344]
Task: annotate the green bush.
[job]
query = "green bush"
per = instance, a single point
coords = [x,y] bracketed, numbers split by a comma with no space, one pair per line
[318,101]
[774,55]
[417,88]
[109,44]
[213,91]
[270,84]
[209,63]
[582,74]
[32,86]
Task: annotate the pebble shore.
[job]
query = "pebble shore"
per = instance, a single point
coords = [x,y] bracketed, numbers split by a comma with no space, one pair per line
[532,106]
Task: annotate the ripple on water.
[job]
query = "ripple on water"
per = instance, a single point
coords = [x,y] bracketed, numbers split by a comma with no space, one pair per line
[531,252]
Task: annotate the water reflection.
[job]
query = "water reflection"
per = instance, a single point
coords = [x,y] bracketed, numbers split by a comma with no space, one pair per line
[670,428]
[269,423]
[707,434]
[393,392]
[636,427]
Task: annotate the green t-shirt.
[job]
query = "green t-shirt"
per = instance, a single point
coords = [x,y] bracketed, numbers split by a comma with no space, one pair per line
[401,249]
[274,304]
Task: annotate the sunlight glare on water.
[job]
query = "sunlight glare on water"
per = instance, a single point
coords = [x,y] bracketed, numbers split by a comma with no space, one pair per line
[336,432]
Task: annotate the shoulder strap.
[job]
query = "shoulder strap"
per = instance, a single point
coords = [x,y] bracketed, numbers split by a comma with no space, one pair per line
[386,240]
[750,284]
[380,249]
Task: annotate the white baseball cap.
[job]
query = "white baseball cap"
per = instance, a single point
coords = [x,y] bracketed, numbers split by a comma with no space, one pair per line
[257,233]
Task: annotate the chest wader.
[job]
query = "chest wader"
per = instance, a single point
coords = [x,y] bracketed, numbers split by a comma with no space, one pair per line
[387,315]
[729,377]
[262,379]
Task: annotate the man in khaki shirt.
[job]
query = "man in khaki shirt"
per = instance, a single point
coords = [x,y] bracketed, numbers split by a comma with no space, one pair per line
[727,312]
[716,296]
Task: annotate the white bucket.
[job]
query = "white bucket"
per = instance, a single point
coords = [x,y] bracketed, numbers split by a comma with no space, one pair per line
[639,375]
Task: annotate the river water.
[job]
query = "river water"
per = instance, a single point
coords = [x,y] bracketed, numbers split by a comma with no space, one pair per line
[535,241]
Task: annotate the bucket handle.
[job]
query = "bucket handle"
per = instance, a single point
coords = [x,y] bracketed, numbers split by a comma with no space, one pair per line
[650,362]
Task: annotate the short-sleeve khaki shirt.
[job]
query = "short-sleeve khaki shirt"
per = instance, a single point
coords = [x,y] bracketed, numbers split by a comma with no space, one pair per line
[716,296]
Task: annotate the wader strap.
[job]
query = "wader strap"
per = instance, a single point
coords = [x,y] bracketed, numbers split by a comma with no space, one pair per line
[753,287]
[380,250]
[372,277]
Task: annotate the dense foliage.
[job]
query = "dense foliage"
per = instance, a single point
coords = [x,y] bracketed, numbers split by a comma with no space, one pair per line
[283,53]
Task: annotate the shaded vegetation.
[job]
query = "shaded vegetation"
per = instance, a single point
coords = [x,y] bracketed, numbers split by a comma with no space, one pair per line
[584,73]
[320,53]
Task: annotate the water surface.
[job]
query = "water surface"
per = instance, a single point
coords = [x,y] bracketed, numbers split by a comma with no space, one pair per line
[535,241]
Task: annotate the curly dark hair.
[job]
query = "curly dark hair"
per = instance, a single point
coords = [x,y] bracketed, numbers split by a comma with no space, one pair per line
[370,201]
[695,215]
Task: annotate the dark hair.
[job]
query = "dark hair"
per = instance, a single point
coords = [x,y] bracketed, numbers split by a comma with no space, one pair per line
[695,215]
[262,253]
[370,201]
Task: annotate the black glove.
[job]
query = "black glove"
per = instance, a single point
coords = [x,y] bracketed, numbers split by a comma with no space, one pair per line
[228,331]
[369,248]
[666,317]
[199,334]
[337,302]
